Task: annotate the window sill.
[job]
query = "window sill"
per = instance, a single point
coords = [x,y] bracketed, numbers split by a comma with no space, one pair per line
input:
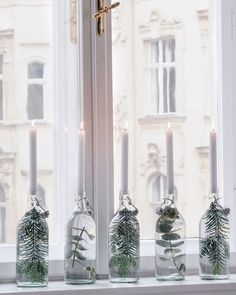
[144,287]
[162,118]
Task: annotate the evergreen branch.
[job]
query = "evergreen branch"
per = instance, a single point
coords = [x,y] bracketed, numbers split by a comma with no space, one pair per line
[33,247]
[124,243]
[216,247]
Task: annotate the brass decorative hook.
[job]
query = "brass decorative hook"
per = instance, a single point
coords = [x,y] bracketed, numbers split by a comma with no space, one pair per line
[102,10]
[73,21]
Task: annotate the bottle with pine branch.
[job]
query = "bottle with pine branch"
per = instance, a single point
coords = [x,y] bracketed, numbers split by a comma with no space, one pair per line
[214,242]
[170,242]
[124,244]
[80,247]
[32,246]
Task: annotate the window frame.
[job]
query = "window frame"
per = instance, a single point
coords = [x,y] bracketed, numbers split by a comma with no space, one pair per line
[92,78]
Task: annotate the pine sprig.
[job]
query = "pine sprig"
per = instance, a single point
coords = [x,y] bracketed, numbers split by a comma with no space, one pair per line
[32,248]
[124,243]
[216,247]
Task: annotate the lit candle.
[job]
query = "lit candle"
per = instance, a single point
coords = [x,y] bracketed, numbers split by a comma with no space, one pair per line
[169,161]
[33,159]
[124,161]
[213,161]
[81,170]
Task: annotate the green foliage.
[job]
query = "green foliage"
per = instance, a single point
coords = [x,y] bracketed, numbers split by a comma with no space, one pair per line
[124,243]
[77,249]
[32,248]
[215,247]
[170,239]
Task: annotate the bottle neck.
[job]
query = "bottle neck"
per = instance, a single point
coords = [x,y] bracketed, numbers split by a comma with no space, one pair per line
[125,202]
[31,202]
[81,203]
[169,200]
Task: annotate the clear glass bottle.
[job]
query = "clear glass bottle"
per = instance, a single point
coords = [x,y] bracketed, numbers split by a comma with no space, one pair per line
[80,248]
[170,242]
[32,247]
[214,249]
[124,243]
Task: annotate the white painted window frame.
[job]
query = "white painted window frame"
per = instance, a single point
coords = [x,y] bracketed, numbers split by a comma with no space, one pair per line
[92,79]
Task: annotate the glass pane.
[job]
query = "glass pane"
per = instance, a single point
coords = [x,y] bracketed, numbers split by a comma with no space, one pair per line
[155,52]
[35,102]
[172,89]
[183,87]
[1,100]
[26,35]
[1,64]
[35,70]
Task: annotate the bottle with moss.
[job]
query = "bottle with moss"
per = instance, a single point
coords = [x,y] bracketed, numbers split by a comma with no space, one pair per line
[124,244]
[80,247]
[32,246]
[214,249]
[170,242]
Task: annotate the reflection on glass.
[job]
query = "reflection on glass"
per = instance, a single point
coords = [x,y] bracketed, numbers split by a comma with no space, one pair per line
[161,73]
[26,93]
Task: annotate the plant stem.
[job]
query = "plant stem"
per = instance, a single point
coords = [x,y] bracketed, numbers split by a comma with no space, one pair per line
[174,261]
[80,236]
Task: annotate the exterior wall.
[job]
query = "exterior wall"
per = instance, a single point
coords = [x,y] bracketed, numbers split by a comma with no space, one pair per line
[23,42]
[139,23]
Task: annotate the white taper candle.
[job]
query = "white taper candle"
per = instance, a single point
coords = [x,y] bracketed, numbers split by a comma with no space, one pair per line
[81,158]
[124,161]
[213,161]
[33,159]
[169,161]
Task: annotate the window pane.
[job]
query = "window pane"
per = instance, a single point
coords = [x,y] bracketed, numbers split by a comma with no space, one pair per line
[1,99]
[180,83]
[172,89]
[35,101]
[155,52]
[1,64]
[26,38]
[35,70]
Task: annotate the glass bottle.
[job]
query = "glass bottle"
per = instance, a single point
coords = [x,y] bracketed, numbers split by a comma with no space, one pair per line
[124,243]
[32,246]
[80,248]
[170,242]
[214,249]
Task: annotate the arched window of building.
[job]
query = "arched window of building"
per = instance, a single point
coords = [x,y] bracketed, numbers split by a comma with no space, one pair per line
[159,187]
[41,194]
[2,215]
[35,91]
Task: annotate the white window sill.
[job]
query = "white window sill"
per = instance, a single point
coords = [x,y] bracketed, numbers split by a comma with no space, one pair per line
[145,286]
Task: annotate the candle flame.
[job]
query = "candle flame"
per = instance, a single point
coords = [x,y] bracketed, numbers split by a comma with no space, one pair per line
[126,126]
[169,125]
[213,126]
[32,124]
[81,125]
[66,130]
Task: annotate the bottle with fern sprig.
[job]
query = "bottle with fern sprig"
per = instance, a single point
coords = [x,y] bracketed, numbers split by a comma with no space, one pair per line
[214,242]
[170,262]
[32,246]
[214,249]
[124,244]
[80,247]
